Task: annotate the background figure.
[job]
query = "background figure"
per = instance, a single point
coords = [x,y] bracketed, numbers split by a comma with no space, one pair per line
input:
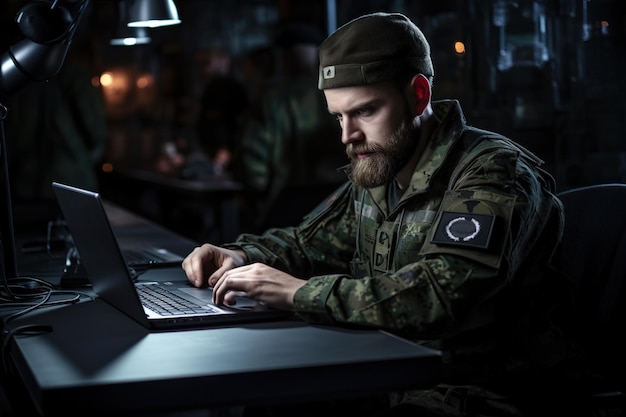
[222,104]
[290,146]
[258,68]
[56,131]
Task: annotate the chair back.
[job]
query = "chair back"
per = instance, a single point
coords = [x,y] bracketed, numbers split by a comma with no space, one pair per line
[593,254]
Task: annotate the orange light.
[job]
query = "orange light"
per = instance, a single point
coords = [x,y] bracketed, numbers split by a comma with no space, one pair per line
[459,47]
[106,79]
[107,167]
[144,81]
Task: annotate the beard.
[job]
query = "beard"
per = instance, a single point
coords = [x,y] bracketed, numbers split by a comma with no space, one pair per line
[385,160]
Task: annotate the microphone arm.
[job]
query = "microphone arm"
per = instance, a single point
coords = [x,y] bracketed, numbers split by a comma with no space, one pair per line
[48,28]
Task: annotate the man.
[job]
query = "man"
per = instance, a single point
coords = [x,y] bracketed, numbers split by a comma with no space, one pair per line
[443,234]
[222,106]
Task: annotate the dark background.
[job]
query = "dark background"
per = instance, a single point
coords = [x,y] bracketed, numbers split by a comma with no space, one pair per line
[549,73]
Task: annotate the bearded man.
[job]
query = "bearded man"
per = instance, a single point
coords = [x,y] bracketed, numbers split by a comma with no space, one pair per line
[443,234]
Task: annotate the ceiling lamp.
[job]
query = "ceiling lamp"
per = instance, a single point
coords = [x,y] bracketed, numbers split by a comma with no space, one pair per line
[128,36]
[152,13]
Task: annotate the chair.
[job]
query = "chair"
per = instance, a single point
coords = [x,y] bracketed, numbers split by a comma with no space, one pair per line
[593,255]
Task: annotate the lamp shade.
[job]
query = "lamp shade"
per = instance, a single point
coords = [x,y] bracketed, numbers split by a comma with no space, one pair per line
[42,23]
[127,36]
[28,61]
[152,13]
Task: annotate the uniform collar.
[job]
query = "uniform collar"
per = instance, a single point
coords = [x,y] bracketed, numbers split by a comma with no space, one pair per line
[451,123]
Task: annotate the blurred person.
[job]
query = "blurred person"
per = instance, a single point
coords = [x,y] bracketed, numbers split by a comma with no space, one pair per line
[258,68]
[223,101]
[56,131]
[288,152]
[443,235]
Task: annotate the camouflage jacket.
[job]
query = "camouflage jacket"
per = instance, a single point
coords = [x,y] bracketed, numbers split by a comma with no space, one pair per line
[462,263]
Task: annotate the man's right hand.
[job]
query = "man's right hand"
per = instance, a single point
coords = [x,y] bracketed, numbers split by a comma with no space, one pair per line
[207,263]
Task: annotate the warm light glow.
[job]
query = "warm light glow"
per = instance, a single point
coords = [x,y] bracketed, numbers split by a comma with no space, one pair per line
[106,79]
[144,81]
[107,167]
[604,28]
[116,86]
[459,47]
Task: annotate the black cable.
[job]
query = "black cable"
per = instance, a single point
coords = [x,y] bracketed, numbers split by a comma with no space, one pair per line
[31,293]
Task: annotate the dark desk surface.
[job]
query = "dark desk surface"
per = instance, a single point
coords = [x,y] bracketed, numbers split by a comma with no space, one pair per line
[97,359]
[94,358]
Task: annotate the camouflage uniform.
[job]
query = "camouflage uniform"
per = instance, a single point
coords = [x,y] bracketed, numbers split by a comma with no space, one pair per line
[459,264]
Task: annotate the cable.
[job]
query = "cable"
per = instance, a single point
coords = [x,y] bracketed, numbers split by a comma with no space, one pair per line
[31,293]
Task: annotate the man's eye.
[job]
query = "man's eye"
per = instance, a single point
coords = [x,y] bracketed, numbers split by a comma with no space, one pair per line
[367,111]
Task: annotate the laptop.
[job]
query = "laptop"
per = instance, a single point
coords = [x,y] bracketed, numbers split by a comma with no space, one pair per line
[138,257]
[151,257]
[112,280]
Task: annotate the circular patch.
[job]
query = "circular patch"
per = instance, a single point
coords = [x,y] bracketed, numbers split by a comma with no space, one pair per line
[462,229]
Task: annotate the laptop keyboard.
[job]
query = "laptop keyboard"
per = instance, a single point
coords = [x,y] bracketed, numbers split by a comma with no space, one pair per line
[167,303]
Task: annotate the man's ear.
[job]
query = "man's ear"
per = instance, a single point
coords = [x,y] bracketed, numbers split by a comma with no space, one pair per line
[420,86]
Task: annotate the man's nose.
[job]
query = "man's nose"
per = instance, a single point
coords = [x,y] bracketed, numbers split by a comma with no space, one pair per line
[349,132]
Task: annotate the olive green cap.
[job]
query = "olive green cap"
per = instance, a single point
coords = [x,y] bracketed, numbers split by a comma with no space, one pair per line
[371,49]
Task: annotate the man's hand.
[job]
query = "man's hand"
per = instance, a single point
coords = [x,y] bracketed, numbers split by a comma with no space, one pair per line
[260,282]
[207,263]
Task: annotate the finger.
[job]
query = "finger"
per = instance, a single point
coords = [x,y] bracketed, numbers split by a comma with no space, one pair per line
[219,272]
[231,297]
[216,288]
[188,267]
[197,270]
[230,281]
[217,275]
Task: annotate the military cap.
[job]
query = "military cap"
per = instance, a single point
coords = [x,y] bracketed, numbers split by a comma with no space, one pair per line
[373,48]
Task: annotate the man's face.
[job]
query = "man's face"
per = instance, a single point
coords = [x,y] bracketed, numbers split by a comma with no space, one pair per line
[377,128]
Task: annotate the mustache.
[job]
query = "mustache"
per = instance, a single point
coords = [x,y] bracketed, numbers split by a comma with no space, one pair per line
[352,150]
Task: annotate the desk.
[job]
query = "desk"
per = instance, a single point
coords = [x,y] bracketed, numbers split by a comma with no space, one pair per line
[212,203]
[96,360]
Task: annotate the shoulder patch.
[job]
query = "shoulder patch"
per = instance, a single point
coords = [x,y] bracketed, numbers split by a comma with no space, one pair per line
[464,229]
[473,224]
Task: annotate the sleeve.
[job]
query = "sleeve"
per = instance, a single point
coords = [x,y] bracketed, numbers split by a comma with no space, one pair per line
[323,243]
